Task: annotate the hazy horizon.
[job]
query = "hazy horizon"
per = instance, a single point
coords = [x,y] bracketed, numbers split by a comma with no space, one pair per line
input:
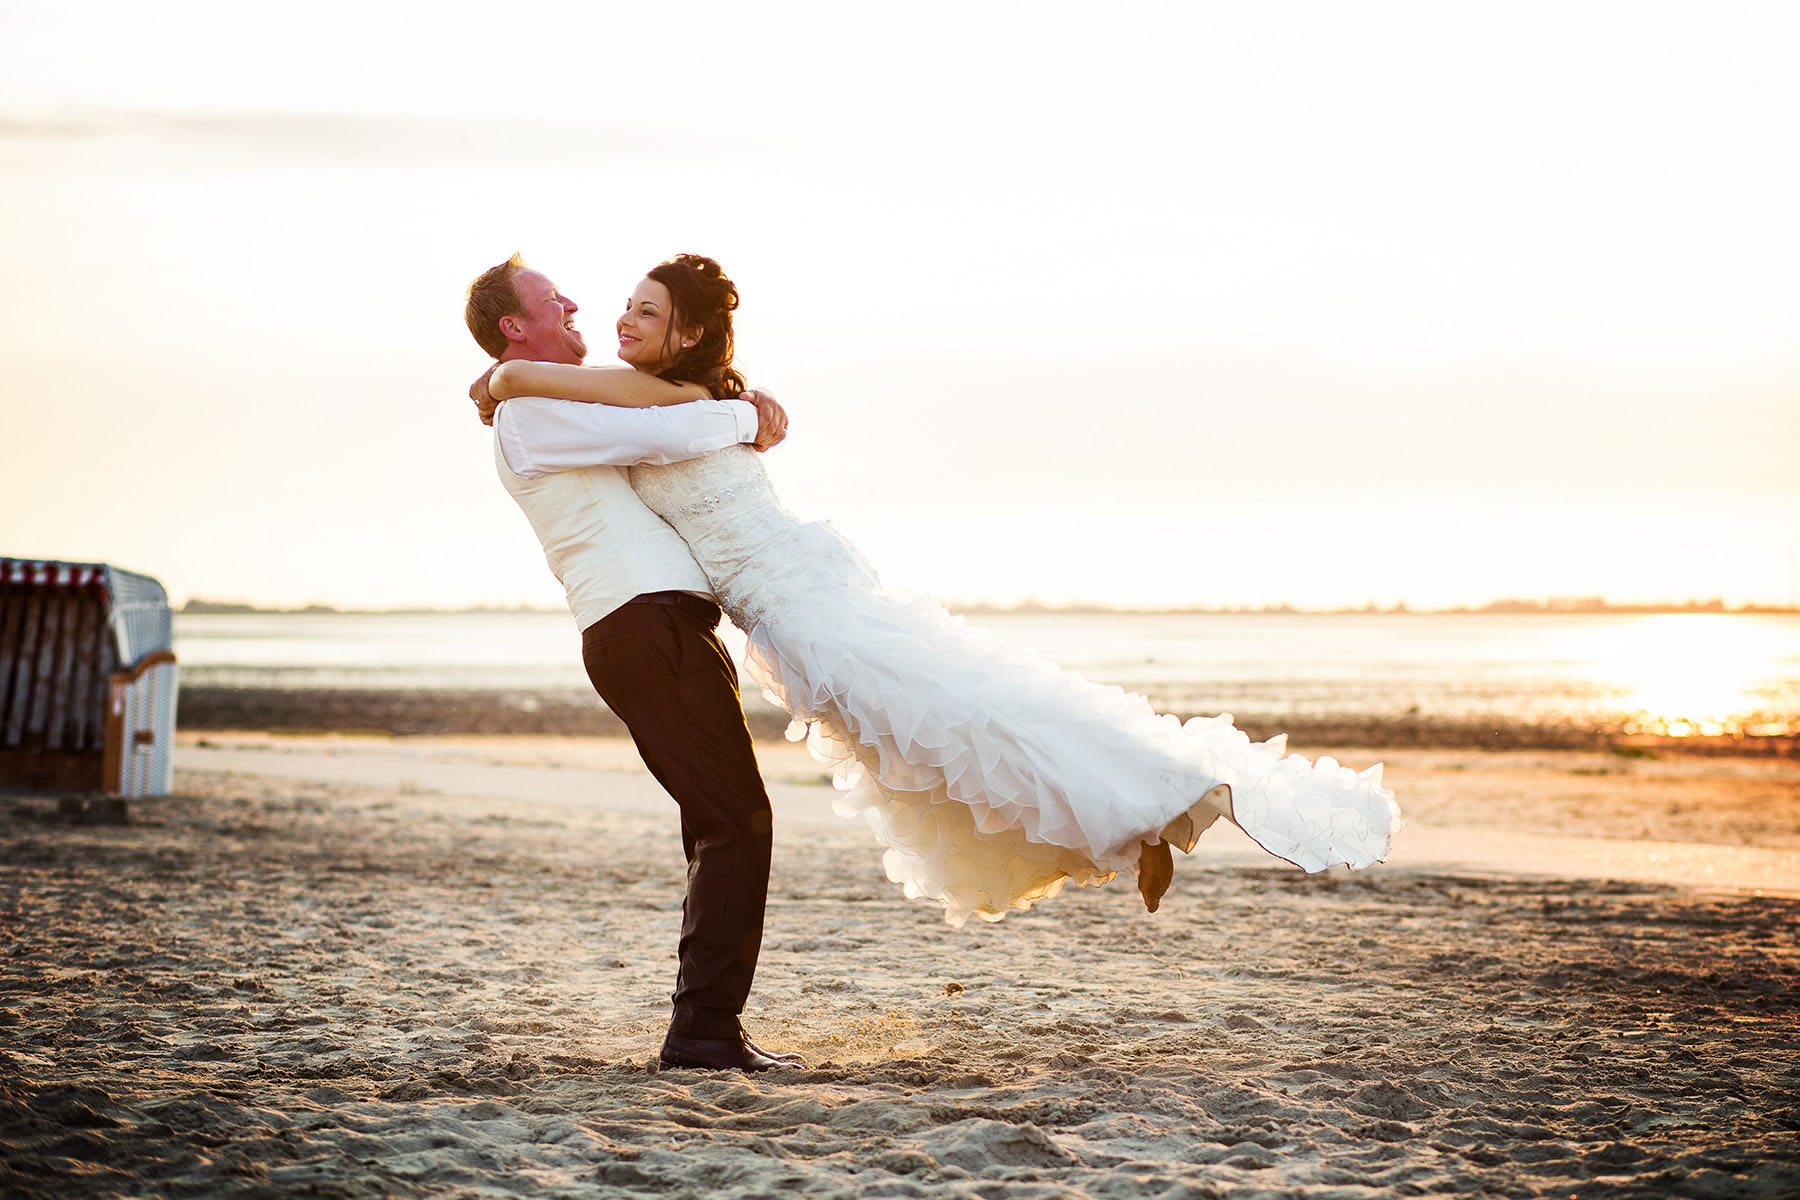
[1500,606]
[1172,306]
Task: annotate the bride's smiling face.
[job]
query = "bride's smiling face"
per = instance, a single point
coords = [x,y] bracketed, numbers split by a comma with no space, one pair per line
[647,339]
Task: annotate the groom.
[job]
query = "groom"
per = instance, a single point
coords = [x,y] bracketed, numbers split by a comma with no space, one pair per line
[648,622]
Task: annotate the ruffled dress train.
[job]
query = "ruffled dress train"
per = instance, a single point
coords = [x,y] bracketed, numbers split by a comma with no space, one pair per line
[990,777]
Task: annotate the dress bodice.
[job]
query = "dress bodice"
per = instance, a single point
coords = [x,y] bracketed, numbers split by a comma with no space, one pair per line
[757,554]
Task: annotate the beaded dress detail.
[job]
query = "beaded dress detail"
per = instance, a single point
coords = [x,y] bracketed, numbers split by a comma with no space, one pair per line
[990,776]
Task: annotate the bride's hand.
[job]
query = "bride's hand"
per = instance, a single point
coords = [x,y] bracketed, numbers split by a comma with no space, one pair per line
[771,419]
[485,404]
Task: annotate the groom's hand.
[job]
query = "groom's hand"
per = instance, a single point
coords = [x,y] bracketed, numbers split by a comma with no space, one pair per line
[484,403]
[771,419]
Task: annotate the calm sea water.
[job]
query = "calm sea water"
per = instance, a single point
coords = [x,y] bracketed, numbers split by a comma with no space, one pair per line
[1674,673]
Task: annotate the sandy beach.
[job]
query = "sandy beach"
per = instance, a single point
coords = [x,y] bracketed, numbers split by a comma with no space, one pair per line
[411,967]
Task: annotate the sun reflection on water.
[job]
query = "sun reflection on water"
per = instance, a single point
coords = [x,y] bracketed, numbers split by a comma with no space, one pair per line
[1696,675]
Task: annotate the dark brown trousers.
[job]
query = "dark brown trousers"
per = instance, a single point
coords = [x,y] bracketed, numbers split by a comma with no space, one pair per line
[658,663]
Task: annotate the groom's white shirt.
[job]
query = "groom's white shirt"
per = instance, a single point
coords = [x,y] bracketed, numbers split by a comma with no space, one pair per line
[564,463]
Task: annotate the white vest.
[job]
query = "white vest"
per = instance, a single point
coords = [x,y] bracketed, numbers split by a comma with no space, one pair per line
[599,538]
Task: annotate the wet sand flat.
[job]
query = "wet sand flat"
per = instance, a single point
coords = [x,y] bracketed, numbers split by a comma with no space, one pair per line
[273,986]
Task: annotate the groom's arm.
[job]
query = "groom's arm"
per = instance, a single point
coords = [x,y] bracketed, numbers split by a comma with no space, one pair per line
[540,436]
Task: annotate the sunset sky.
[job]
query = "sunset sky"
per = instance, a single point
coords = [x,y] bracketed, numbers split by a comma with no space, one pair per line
[1186,303]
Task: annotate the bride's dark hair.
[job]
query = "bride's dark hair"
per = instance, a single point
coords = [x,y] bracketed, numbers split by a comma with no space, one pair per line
[701,294]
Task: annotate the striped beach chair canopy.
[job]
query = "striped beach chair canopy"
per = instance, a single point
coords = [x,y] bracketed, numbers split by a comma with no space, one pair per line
[87,678]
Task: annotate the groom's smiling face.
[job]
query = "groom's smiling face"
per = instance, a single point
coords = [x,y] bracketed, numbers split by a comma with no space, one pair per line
[547,321]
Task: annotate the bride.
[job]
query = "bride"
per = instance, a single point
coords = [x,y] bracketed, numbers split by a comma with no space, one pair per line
[990,776]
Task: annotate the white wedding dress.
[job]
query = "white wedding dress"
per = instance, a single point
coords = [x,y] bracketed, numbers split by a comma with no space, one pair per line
[991,777]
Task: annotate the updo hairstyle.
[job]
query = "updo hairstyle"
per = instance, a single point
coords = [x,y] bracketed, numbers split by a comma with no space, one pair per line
[702,295]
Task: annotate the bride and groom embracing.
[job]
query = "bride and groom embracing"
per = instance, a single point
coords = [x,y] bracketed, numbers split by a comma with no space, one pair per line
[990,777]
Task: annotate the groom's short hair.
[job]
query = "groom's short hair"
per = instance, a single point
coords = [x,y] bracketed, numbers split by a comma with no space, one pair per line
[493,295]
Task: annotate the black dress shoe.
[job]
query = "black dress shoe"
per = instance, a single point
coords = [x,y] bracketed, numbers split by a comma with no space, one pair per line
[720,1054]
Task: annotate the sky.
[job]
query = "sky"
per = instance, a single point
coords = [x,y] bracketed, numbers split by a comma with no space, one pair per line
[1145,304]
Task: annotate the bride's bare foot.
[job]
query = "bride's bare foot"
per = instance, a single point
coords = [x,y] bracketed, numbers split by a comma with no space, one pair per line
[1156,871]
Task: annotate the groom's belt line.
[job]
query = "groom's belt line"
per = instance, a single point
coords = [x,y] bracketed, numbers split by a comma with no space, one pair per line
[687,602]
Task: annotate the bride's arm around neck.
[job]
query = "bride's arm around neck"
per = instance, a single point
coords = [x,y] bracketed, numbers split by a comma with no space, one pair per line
[622,387]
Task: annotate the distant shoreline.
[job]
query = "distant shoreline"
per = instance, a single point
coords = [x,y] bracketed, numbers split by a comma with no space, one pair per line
[1496,608]
[572,713]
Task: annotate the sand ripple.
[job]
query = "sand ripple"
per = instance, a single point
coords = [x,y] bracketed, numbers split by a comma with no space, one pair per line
[271,989]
